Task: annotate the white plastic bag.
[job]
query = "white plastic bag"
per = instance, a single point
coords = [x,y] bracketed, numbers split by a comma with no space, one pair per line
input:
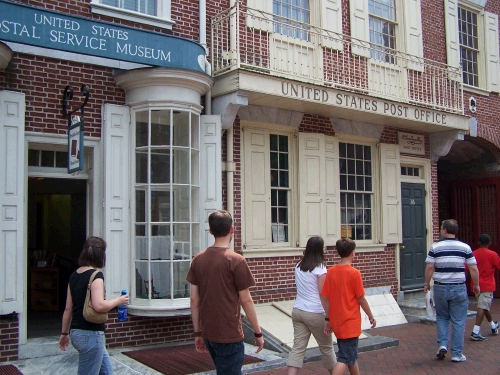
[429,305]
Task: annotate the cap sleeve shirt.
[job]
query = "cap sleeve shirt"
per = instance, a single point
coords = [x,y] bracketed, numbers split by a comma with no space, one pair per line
[307,289]
[343,286]
[220,275]
[449,257]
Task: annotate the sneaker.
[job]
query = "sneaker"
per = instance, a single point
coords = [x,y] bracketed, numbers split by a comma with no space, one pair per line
[477,337]
[460,358]
[494,331]
[441,352]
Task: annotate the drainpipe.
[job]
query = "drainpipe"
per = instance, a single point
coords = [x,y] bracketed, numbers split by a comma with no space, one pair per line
[230,175]
[203,42]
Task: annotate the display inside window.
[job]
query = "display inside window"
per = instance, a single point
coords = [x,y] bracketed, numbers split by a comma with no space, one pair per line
[355,164]
[166,199]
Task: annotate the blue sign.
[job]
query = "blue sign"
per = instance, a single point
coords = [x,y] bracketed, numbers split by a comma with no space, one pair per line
[38,27]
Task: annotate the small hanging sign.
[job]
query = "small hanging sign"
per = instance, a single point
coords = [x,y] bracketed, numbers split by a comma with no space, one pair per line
[75,145]
[75,129]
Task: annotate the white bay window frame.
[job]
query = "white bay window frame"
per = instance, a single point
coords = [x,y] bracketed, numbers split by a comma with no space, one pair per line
[161,19]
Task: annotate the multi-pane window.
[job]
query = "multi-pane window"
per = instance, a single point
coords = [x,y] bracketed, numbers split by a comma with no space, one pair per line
[469,45]
[47,159]
[356,191]
[294,18]
[148,7]
[382,22]
[280,187]
[410,171]
[167,224]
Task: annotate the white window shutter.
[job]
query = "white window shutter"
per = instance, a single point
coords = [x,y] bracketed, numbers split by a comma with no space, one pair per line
[311,187]
[331,20]
[12,202]
[210,173]
[331,175]
[414,39]
[257,188]
[390,181]
[452,41]
[492,47]
[260,15]
[117,182]
[360,28]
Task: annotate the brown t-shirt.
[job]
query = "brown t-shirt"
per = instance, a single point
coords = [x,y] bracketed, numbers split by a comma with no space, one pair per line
[220,274]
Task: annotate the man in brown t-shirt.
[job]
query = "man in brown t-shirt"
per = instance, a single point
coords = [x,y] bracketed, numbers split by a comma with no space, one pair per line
[220,280]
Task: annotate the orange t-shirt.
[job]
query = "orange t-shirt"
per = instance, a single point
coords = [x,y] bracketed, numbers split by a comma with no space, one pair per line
[343,286]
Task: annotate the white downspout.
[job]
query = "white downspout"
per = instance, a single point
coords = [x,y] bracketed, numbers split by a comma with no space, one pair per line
[230,175]
[203,42]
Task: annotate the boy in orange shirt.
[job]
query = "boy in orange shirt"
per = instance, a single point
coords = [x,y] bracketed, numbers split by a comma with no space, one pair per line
[343,294]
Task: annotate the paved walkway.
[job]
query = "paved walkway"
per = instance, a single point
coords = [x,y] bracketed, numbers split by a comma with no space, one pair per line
[416,352]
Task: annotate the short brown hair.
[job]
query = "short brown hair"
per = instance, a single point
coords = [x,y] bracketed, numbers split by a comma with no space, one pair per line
[93,253]
[220,223]
[450,225]
[345,246]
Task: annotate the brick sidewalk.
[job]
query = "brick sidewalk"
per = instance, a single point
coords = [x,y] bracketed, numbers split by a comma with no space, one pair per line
[416,353]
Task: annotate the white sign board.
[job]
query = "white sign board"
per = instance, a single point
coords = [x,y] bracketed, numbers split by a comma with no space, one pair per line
[75,145]
[411,143]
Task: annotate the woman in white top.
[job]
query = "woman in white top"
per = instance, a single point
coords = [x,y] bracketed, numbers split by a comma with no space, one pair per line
[308,314]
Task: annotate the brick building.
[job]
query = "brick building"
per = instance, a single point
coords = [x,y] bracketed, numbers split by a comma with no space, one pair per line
[373,119]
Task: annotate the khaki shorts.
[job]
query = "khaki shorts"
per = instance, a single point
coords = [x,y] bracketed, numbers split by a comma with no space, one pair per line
[484,300]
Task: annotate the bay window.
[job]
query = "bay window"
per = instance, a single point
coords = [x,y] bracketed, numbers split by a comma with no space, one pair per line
[166,222]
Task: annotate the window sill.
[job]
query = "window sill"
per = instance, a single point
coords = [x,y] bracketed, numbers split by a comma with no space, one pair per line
[476,90]
[158,311]
[131,16]
[273,252]
[299,251]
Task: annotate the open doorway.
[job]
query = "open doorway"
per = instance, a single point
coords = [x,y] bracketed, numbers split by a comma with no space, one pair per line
[57,217]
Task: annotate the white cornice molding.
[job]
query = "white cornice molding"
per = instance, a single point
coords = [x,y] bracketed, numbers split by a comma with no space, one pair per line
[441,142]
[5,55]
[164,84]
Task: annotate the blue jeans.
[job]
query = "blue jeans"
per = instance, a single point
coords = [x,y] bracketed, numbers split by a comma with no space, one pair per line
[228,358]
[93,357]
[451,303]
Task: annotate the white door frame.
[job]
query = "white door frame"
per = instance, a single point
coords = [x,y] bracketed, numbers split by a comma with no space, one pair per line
[92,173]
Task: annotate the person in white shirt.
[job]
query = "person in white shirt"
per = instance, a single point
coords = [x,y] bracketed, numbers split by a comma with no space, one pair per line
[308,314]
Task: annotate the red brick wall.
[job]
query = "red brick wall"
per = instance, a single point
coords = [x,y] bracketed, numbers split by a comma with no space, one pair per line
[9,337]
[140,331]
[43,81]
[185,14]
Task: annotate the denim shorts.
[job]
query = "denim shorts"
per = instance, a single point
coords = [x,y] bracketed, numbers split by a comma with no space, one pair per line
[348,351]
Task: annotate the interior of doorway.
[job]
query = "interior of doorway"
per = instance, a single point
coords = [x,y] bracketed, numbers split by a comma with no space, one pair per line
[57,227]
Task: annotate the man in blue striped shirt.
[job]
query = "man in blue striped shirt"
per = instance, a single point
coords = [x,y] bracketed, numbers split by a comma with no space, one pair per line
[446,265]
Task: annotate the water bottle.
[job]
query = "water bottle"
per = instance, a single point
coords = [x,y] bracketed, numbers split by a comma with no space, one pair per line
[122,309]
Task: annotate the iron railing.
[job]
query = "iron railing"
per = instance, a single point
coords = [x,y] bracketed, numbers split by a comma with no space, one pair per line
[248,39]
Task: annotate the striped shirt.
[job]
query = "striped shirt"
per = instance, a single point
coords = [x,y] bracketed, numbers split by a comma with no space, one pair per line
[449,257]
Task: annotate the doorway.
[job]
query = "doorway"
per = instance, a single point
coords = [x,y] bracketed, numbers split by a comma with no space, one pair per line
[57,228]
[413,249]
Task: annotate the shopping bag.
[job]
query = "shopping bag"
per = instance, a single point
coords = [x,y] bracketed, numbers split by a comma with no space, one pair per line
[429,305]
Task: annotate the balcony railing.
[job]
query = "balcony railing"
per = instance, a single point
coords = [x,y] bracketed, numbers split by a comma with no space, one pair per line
[248,39]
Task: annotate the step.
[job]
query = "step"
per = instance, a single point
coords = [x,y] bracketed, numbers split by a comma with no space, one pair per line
[414,309]
[43,347]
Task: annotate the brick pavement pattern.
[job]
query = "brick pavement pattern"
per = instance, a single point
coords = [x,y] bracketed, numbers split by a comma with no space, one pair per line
[416,353]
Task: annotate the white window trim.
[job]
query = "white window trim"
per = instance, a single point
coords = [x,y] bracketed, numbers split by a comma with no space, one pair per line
[377,201]
[163,19]
[280,248]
